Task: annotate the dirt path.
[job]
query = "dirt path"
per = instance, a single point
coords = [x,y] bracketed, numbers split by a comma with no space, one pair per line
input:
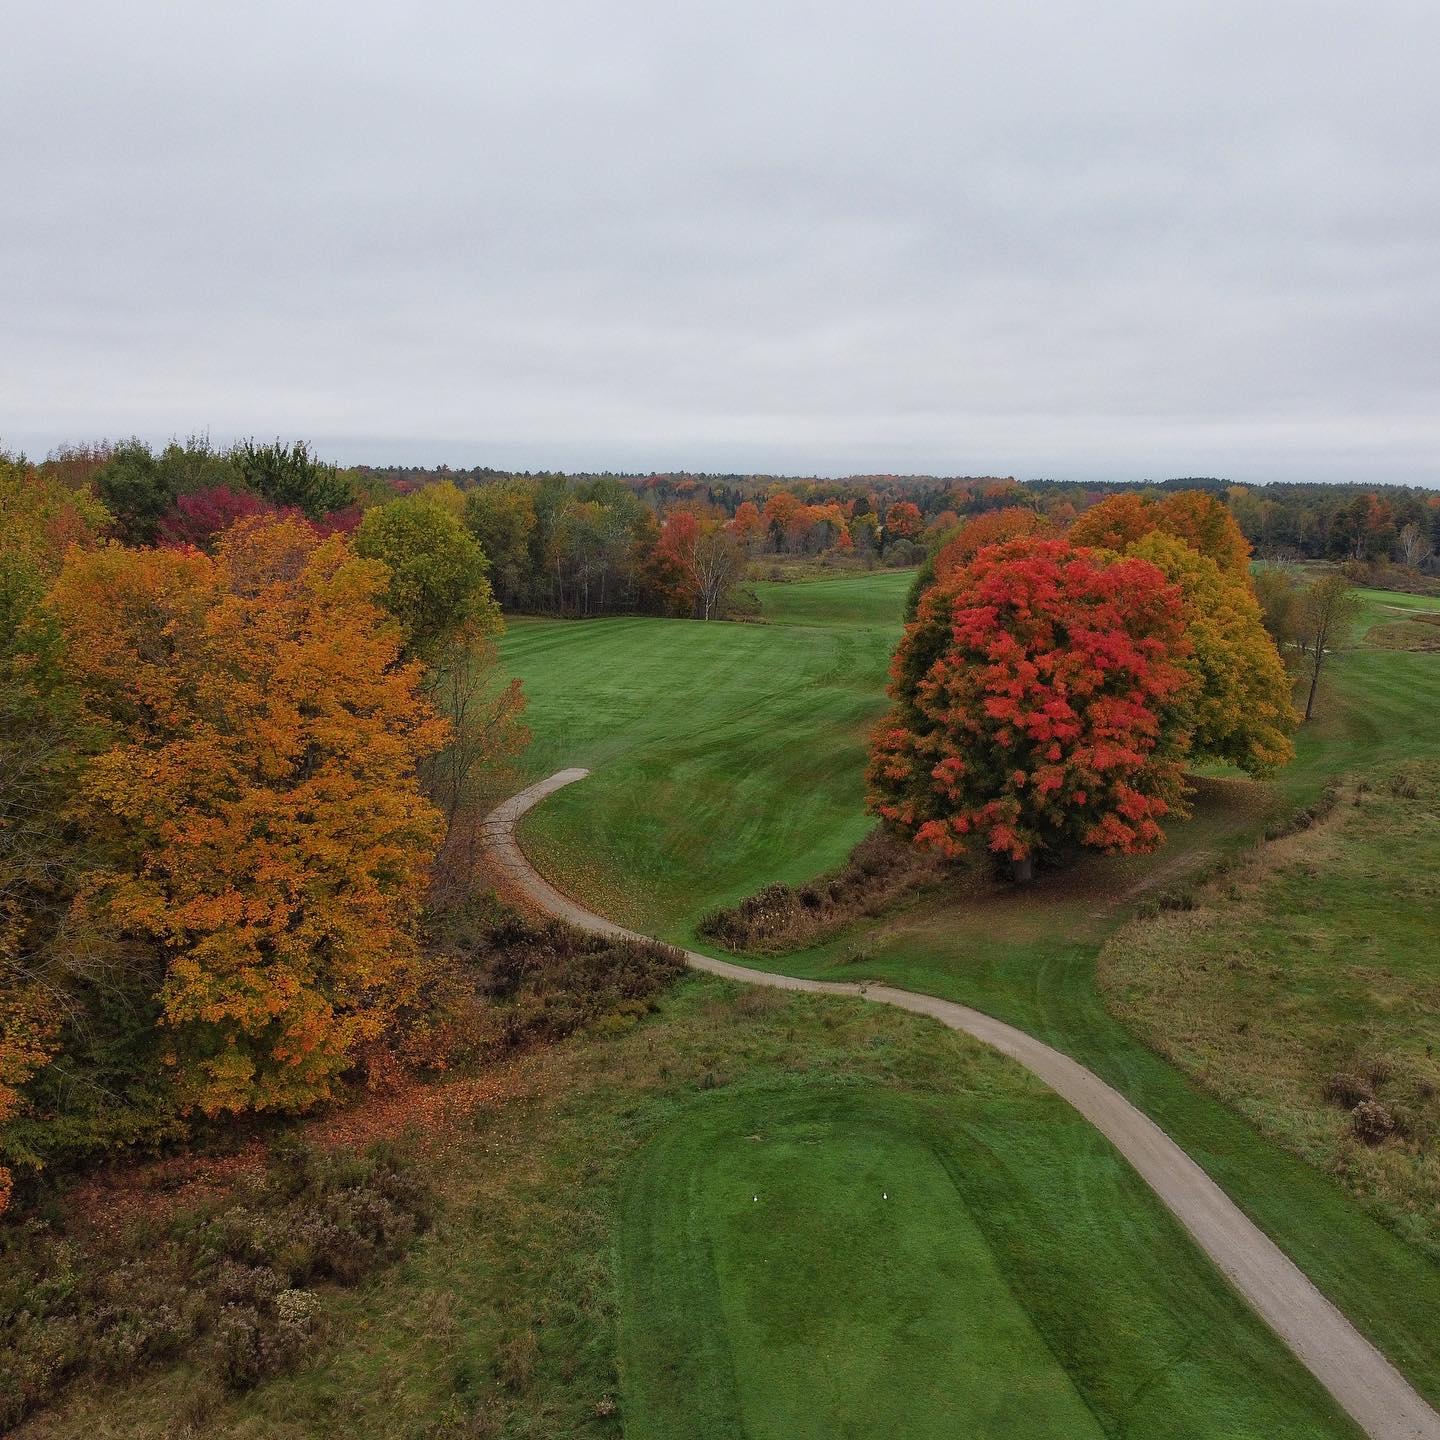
[1360,1378]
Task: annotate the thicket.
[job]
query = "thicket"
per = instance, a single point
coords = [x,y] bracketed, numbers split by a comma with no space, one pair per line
[230,1288]
[781,918]
[499,982]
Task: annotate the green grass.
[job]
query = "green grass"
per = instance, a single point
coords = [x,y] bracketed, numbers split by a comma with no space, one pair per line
[808,1262]
[729,757]
[693,730]
[1029,1265]
[1315,959]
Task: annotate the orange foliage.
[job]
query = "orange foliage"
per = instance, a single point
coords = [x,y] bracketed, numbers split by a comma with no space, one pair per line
[747,526]
[903,520]
[1115,523]
[1120,521]
[1206,525]
[993,527]
[258,798]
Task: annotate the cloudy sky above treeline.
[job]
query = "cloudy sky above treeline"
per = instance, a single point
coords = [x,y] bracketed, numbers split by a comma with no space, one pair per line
[1114,240]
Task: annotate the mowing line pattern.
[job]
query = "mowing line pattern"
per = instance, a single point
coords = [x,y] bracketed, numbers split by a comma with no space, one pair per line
[1366,1385]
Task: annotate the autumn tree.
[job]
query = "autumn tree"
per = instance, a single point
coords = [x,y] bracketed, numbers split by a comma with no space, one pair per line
[1240,711]
[903,521]
[438,581]
[1038,703]
[1325,615]
[197,518]
[990,527]
[256,798]
[1206,525]
[785,520]
[747,526]
[42,746]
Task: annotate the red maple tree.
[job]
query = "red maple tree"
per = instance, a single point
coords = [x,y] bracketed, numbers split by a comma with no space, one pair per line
[1036,706]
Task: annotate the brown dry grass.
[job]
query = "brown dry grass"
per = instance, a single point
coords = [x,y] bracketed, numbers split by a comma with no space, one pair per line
[1306,982]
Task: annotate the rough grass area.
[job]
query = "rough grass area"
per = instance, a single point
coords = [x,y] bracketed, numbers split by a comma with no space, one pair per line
[880,870]
[227,1289]
[506,1318]
[1304,989]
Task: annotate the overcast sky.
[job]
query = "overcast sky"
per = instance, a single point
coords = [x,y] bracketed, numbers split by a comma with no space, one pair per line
[1082,240]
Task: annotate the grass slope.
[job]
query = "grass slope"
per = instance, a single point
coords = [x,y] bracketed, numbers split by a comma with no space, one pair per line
[727,757]
[693,730]
[1314,961]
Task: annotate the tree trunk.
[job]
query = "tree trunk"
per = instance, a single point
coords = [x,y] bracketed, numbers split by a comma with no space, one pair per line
[1314,683]
[1023,871]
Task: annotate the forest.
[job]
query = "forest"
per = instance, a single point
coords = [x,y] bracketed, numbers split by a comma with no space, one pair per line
[254,707]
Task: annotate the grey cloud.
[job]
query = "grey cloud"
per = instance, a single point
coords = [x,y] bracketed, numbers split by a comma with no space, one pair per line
[1120,240]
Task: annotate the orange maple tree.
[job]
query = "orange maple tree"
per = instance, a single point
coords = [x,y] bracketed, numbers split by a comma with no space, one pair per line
[991,527]
[1038,703]
[1119,522]
[903,520]
[257,798]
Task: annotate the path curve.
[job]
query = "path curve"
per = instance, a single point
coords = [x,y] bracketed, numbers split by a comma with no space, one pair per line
[1362,1380]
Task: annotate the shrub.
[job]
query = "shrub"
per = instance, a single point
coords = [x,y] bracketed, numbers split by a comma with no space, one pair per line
[502,981]
[880,870]
[228,1286]
[1347,1090]
[1371,1122]
[250,1344]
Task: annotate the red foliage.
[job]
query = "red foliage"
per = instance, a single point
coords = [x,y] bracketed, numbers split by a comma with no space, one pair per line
[202,515]
[1036,706]
[903,520]
[199,517]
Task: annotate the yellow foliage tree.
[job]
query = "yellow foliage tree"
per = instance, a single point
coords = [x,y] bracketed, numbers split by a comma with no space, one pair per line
[258,798]
[1241,711]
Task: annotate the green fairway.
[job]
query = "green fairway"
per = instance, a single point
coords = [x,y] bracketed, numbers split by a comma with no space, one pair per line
[694,732]
[727,757]
[814,1262]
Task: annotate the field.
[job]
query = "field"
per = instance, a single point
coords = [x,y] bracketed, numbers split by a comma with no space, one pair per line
[786,1216]
[1304,984]
[600,1205]
[730,758]
[693,731]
